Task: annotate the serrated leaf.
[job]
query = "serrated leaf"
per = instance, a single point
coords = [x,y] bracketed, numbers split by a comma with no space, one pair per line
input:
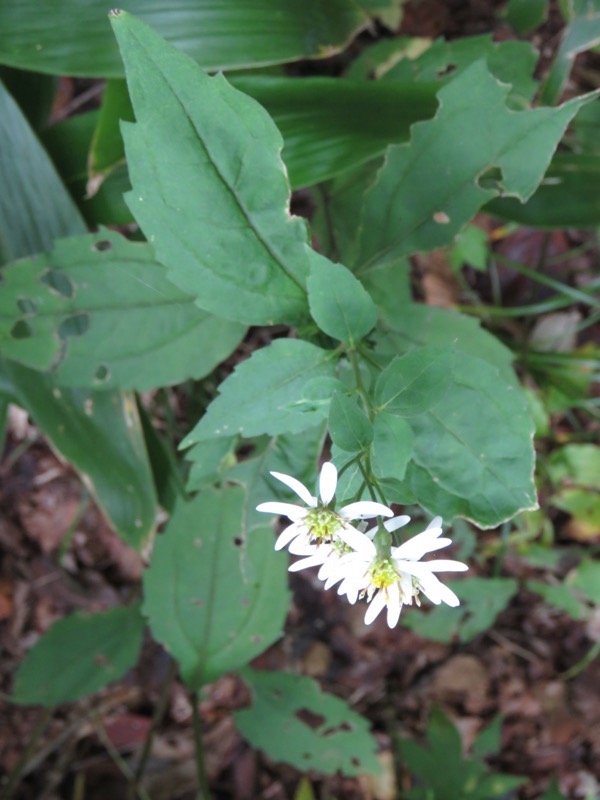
[293,721]
[427,190]
[79,655]
[338,302]
[283,388]
[349,426]
[220,34]
[137,330]
[392,446]
[414,382]
[214,599]
[209,188]
[473,453]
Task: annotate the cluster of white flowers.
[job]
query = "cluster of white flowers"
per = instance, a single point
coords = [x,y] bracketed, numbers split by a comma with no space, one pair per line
[363,563]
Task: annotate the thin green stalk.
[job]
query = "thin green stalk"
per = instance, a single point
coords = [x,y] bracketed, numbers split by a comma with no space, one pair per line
[590,656]
[203,791]
[159,713]
[117,758]
[16,773]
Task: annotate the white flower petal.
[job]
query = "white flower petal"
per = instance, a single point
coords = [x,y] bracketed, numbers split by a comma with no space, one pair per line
[375,607]
[297,487]
[394,605]
[393,524]
[286,536]
[365,509]
[357,541]
[305,563]
[419,545]
[446,565]
[283,509]
[327,482]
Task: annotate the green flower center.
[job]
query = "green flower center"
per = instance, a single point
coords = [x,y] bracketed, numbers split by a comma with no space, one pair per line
[383,574]
[322,524]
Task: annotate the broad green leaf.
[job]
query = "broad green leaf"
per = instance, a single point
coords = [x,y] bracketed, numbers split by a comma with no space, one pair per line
[220,34]
[209,188]
[4,404]
[293,721]
[471,247]
[349,426]
[392,446]
[209,459]
[330,125]
[410,325]
[283,388]
[582,34]
[553,792]
[79,655]
[413,383]
[473,453]
[338,302]
[99,311]
[481,600]
[575,470]
[213,599]
[568,197]
[100,435]
[106,150]
[524,16]
[427,190]
[510,61]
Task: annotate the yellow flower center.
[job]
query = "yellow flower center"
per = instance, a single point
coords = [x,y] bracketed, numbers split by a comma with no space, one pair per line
[383,574]
[322,524]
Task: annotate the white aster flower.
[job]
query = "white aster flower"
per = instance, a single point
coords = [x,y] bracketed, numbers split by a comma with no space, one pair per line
[318,524]
[394,580]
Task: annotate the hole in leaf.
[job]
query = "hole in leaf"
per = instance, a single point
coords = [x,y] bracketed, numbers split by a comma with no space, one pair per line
[21,330]
[59,282]
[355,761]
[309,718]
[276,693]
[447,70]
[307,756]
[76,325]
[101,247]
[102,373]
[344,726]
[491,179]
[26,306]
[238,541]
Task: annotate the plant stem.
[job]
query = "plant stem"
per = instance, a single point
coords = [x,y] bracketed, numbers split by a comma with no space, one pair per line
[203,791]
[159,713]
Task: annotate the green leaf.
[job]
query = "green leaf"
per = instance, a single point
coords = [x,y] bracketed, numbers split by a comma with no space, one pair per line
[581,35]
[283,388]
[213,599]
[220,34]
[392,446]
[566,198]
[100,312]
[414,382]
[471,247]
[293,721]
[330,125]
[209,188]
[473,453]
[107,150]
[80,655]
[586,579]
[481,600]
[338,302]
[349,426]
[560,596]
[412,325]
[427,190]
[101,435]
[524,16]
